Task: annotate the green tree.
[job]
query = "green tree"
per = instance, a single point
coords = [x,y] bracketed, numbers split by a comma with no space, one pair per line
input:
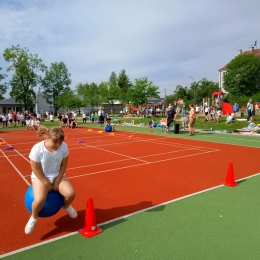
[27,68]
[3,87]
[124,84]
[181,93]
[69,100]
[141,90]
[55,83]
[89,93]
[109,93]
[204,89]
[243,75]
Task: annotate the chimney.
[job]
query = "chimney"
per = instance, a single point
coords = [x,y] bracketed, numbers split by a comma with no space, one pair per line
[239,52]
[251,48]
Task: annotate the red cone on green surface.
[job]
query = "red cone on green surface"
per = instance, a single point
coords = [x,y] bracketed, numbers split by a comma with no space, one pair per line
[230,180]
[90,226]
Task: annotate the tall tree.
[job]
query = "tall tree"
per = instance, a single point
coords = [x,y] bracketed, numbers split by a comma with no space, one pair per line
[109,93]
[202,89]
[89,93]
[56,81]
[27,68]
[141,90]
[243,75]
[3,87]
[69,100]
[181,93]
[124,84]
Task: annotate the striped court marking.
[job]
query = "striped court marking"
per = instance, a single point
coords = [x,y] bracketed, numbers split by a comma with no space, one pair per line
[141,164]
[16,169]
[128,158]
[122,217]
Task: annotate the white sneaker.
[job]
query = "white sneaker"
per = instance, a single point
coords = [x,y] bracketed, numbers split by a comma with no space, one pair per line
[72,212]
[30,225]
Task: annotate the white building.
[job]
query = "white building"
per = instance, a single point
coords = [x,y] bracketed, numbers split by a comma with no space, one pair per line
[223,70]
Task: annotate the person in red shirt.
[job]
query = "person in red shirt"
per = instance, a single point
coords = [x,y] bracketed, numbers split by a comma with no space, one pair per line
[14,118]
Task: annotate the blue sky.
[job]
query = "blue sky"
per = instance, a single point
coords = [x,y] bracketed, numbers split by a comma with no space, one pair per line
[167,41]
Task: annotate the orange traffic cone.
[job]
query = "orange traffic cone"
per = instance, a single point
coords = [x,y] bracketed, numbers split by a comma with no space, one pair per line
[230,180]
[90,226]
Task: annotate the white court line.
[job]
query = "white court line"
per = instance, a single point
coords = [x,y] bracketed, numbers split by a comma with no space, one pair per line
[135,165]
[21,175]
[122,217]
[133,158]
[16,169]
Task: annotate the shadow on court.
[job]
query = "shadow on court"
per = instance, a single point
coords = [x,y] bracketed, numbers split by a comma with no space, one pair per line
[67,224]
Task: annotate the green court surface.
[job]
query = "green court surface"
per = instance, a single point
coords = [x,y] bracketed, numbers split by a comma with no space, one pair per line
[222,223]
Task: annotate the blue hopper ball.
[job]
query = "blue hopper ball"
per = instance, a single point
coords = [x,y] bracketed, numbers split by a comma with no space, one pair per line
[108,128]
[51,206]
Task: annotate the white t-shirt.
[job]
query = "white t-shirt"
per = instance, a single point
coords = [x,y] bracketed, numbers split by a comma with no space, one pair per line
[10,116]
[50,162]
[51,117]
[100,112]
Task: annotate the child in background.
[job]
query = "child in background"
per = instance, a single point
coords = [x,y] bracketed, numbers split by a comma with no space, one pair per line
[218,114]
[51,118]
[48,172]
[28,123]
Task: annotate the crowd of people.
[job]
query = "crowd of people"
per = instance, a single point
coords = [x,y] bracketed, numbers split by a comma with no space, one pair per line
[13,119]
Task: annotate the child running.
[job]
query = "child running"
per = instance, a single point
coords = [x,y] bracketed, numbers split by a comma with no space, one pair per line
[49,160]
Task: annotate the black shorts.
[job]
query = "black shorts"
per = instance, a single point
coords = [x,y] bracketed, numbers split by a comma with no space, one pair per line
[169,121]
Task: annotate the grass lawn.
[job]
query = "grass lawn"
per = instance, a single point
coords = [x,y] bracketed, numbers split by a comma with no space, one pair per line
[200,123]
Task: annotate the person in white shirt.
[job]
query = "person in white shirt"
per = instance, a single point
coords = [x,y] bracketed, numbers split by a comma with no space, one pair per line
[49,159]
[38,116]
[4,119]
[100,111]
[10,119]
[206,110]
[28,123]
[18,118]
[51,118]
[218,115]
[84,117]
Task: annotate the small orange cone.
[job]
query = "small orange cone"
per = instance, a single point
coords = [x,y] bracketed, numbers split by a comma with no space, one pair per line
[230,180]
[90,226]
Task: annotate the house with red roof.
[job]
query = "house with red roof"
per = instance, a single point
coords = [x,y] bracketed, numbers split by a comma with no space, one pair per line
[223,70]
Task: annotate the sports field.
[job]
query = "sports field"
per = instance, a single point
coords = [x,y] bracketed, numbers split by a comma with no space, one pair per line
[156,196]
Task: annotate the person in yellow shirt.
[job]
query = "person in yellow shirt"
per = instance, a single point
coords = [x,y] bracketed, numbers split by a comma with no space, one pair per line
[192,119]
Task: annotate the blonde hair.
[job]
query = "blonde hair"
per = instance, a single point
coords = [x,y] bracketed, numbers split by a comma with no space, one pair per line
[54,133]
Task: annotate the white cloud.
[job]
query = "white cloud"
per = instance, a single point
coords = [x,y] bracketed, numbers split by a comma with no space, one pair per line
[167,41]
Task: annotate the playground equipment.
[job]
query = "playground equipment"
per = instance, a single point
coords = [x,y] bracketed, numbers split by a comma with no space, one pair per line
[217,100]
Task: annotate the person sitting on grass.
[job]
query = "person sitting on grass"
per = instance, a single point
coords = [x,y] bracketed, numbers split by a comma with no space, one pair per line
[150,124]
[252,127]
[108,122]
[49,173]
[229,118]
[154,123]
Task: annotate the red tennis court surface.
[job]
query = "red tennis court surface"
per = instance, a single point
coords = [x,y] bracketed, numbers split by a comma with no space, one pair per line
[123,173]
